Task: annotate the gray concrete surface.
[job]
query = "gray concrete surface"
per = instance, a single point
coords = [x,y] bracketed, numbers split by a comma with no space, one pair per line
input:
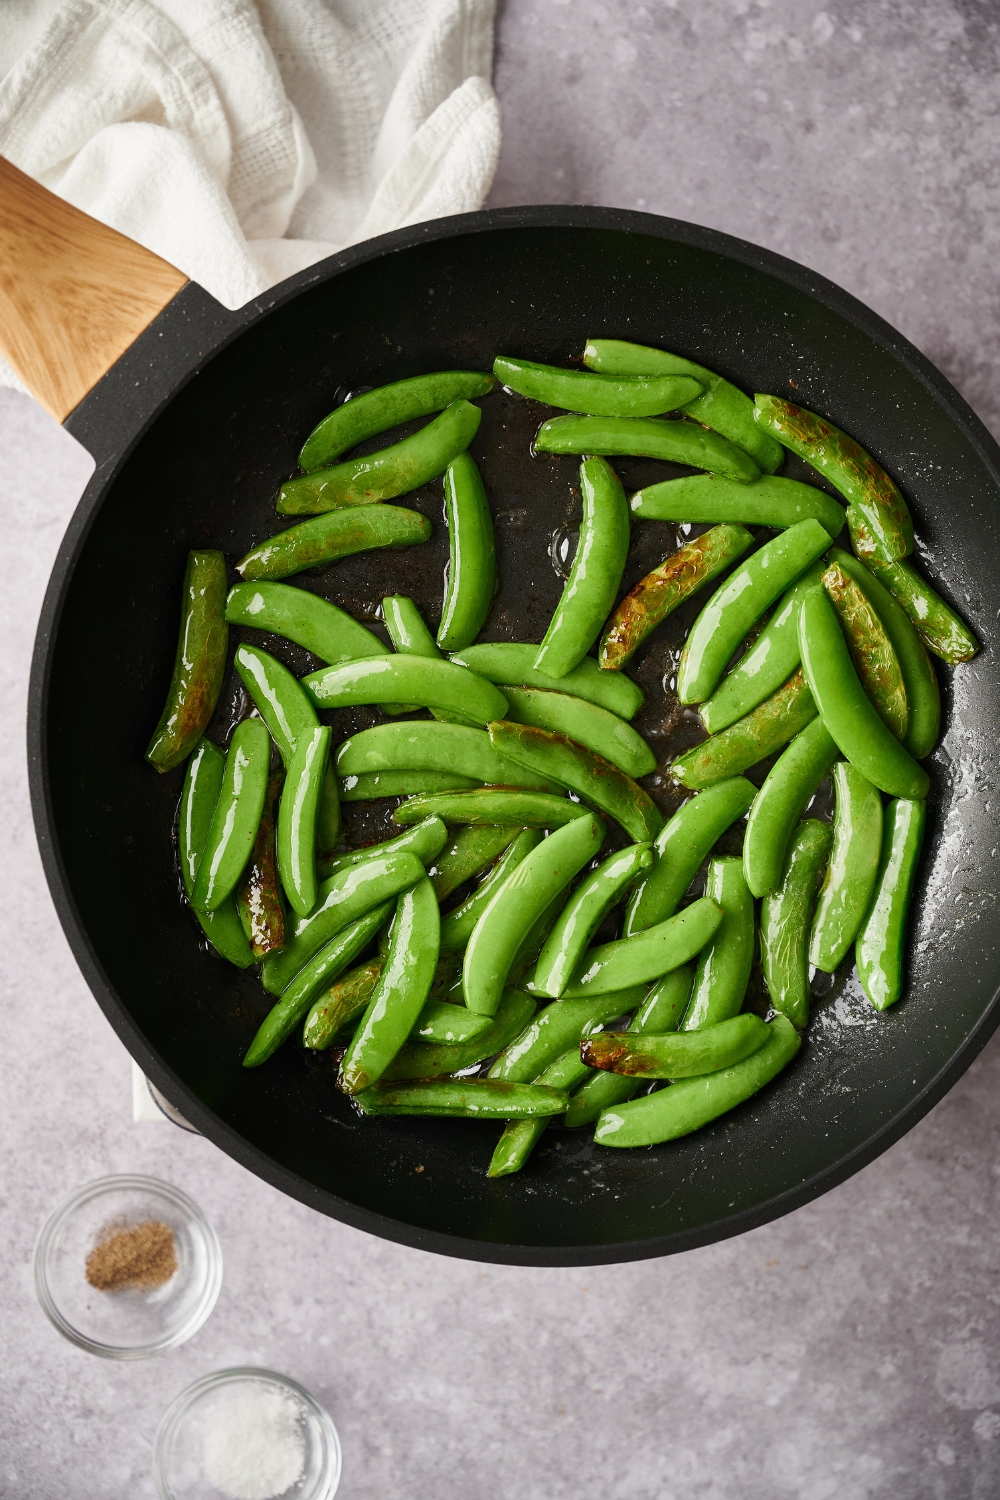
[847,1352]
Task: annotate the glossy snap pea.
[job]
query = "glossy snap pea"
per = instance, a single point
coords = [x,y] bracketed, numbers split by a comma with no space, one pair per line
[583,914]
[765,729]
[520,1137]
[681,846]
[863,483]
[788,788]
[297,818]
[199,798]
[693,1102]
[420,746]
[320,627]
[723,971]
[587,774]
[647,437]
[646,955]
[365,416]
[594,728]
[511,662]
[528,890]
[657,595]
[341,533]
[392,471]
[784,921]
[537,934]
[401,991]
[472,555]
[411,637]
[426,841]
[199,664]
[430,1060]
[684,1054]
[493,805]
[236,819]
[471,849]
[739,602]
[258,899]
[872,651]
[939,627]
[345,1000]
[709,498]
[371,784]
[595,575]
[721,406]
[845,707]
[457,926]
[879,947]
[416,679]
[556,1028]
[465,1098]
[440,1021]
[847,892]
[597,395]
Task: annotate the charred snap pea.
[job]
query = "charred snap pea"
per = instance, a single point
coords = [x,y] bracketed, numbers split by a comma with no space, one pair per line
[879,948]
[740,601]
[845,707]
[297,818]
[416,679]
[202,783]
[647,437]
[597,395]
[850,880]
[471,849]
[580,918]
[511,662]
[723,972]
[681,846]
[373,784]
[595,575]
[721,406]
[647,955]
[657,595]
[493,805]
[769,726]
[439,1021]
[430,1060]
[684,1054]
[362,528]
[472,555]
[463,1098]
[789,787]
[589,775]
[784,921]
[937,624]
[594,728]
[419,746]
[320,627]
[457,926]
[426,841]
[520,1137]
[556,1028]
[236,819]
[709,497]
[373,412]
[199,664]
[692,1102]
[392,471]
[258,899]
[872,651]
[345,1000]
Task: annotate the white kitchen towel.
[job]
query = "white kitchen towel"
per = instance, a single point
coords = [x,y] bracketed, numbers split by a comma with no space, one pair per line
[243,142]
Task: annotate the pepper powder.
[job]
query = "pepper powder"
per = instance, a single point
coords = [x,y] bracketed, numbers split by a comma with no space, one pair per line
[138,1255]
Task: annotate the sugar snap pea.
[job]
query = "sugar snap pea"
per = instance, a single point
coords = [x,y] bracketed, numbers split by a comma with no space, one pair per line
[465,1098]
[297,818]
[872,651]
[236,819]
[493,805]
[200,795]
[199,664]
[456,927]
[320,627]
[511,662]
[371,784]
[847,892]
[693,1102]
[343,533]
[417,679]
[647,437]
[258,899]
[879,947]
[580,918]
[595,575]
[648,954]
[470,850]
[472,555]
[657,595]
[440,1021]
[597,395]
[420,746]
[593,727]
[520,1137]
[345,1000]
[937,624]
[406,627]
[430,1060]
[723,971]
[845,707]
[426,841]
[676,1054]
[392,471]
[788,788]
[784,921]
[767,502]
[555,1028]
[740,601]
[365,416]
[762,731]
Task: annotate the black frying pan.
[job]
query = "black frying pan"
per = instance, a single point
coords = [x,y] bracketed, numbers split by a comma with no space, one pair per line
[192,430]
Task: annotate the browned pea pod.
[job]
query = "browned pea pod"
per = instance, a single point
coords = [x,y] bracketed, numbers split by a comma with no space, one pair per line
[257,898]
[346,999]
[937,624]
[872,652]
[758,734]
[657,595]
[199,663]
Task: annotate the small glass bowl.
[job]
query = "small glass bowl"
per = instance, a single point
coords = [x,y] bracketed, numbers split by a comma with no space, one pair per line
[179,1448]
[126,1323]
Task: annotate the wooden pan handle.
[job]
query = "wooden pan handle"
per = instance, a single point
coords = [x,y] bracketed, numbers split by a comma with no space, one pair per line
[74,294]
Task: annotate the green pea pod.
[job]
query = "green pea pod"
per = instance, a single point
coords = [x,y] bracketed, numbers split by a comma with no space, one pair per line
[258,899]
[426,841]
[784,921]
[710,498]
[939,627]
[440,1021]
[345,1000]
[721,406]
[597,395]
[788,789]
[472,555]
[685,1054]
[237,816]
[420,746]
[401,992]
[311,622]
[406,627]
[535,938]
[741,601]
[923,696]
[681,845]
[763,731]
[768,663]
[594,728]
[520,1137]
[872,652]
[199,664]
[342,899]
[879,947]
[203,777]
[559,1026]
[847,892]
[646,955]
[647,437]
[417,679]
[493,805]
[324,539]
[581,917]
[512,662]
[723,972]
[466,1098]
[317,975]
[845,707]
[471,849]
[595,575]
[587,774]
[431,1060]
[865,486]
[392,471]
[693,1102]
[457,926]
[365,416]
[517,904]
[297,819]
[371,784]
[657,595]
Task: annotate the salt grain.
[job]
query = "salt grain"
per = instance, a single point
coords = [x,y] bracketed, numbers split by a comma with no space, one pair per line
[254,1447]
